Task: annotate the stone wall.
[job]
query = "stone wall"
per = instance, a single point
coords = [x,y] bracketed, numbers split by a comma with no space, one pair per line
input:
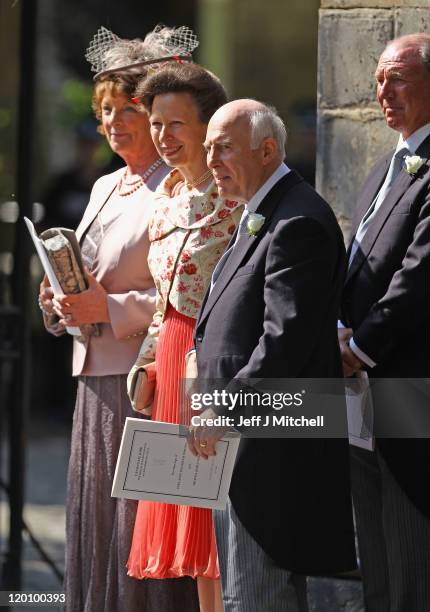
[351,130]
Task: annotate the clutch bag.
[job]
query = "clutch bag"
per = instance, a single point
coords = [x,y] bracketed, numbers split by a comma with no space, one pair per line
[144,389]
[191,372]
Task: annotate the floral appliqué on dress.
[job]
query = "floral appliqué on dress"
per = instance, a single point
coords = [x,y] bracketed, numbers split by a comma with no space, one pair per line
[188,233]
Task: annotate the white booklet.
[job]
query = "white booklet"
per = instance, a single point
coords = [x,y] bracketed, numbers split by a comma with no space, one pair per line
[359,406]
[49,271]
[154,463]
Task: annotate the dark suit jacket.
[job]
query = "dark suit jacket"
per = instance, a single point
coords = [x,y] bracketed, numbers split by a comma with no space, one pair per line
[386,300]
[272,314]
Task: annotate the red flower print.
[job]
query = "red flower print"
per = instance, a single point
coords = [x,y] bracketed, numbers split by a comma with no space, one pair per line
[190,268]
[223,213]
[230,204]
[199,216]
[231,229]
[219,234]
[206,232]
[182,287]
[185,257]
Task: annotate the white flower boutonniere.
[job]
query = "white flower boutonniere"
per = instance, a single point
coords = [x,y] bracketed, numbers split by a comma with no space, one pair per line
[254,224]
[413,163]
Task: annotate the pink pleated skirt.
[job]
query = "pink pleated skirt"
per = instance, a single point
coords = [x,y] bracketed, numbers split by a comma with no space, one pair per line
[172,541]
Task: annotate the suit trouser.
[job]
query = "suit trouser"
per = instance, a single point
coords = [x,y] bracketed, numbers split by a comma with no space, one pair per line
[251,582]
[393,538]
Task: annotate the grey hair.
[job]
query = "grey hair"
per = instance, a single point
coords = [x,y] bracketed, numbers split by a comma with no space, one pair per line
[424,49]
[421,41]
[266,123]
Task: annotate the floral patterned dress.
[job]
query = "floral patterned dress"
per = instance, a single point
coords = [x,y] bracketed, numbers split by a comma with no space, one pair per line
[188,235]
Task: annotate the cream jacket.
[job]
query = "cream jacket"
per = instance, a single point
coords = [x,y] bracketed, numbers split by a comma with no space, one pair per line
[188,235]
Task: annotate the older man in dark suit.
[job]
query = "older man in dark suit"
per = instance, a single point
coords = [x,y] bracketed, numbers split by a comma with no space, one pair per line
[386,318]
[272,313]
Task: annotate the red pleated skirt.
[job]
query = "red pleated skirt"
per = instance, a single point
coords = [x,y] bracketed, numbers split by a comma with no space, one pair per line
[172,541]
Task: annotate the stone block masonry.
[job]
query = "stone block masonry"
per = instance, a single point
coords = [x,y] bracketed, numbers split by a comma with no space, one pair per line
[352,133]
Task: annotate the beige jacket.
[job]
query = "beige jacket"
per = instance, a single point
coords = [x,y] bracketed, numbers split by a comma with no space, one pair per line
[121,267]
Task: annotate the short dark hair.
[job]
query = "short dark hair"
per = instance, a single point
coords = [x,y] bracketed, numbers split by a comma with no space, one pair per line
[203,86]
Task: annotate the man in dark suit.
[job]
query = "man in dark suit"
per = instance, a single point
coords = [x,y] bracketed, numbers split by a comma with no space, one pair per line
[272,313]
[386,319]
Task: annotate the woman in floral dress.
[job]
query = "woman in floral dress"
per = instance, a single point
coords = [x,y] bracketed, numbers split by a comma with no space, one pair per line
[189,232]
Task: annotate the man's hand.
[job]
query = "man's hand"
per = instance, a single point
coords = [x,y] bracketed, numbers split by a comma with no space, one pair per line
[202,438]
[89,306]
[350,362]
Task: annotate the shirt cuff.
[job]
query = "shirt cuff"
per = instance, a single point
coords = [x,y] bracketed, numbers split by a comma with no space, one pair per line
[361,355]
[340,325]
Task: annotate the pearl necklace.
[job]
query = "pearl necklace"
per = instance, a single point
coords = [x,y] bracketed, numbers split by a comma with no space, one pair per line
[135,185]
[198,181]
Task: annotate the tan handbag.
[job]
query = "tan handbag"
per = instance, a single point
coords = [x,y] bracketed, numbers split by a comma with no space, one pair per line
[142,388]
[191,372]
